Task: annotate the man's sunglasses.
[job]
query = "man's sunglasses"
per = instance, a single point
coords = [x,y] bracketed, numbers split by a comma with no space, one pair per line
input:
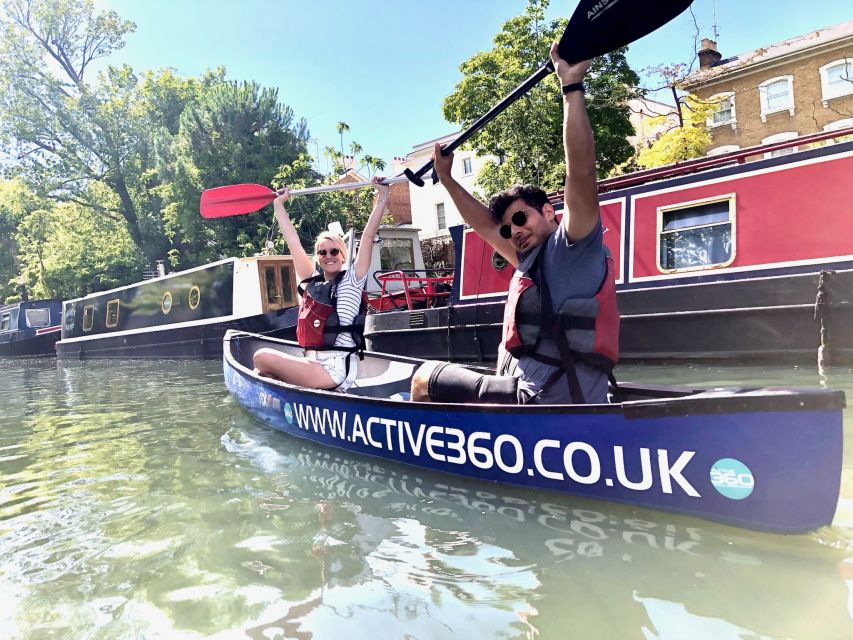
[519,219]
[332,252]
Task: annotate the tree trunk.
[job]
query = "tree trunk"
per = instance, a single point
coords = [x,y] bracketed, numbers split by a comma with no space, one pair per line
[129,213]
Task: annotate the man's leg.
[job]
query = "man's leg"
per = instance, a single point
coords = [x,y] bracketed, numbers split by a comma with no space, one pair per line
[444,382]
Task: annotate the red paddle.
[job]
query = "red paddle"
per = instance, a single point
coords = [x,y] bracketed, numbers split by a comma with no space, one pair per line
[237,199]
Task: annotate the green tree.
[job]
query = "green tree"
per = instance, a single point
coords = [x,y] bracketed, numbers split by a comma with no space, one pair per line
[16,203]
[689,140]
[63,249]
[527,137]
[67,133]
[233,132]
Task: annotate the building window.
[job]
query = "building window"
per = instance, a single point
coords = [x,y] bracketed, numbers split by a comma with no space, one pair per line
[780,137]
[466,167]
[846,123]
[836,79]
[38,317]
[776,94]
[396,253]
[726,148]
[439,212]
[725,113]
[696,235]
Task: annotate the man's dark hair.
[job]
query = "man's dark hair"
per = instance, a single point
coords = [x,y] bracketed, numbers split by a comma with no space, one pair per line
[532,196]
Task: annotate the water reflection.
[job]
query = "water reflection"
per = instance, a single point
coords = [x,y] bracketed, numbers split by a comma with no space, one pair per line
[537,561]
[140,501]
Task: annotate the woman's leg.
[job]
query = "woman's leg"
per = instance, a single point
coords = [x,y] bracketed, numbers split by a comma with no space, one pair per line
[292,369]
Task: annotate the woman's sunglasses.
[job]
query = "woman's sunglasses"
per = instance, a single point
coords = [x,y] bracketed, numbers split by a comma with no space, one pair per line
[519,219]
[332,252]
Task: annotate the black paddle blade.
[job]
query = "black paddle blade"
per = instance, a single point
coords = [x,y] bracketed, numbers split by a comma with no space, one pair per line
[601,26]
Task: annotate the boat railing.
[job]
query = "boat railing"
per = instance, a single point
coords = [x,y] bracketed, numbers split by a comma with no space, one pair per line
[411,289]
[739,156]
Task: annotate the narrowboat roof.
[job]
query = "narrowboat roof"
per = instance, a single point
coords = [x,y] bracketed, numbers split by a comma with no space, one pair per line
[30,303]
[179,273]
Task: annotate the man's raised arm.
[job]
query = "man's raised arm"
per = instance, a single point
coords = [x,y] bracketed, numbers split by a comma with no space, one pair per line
[581,193]
[474,212]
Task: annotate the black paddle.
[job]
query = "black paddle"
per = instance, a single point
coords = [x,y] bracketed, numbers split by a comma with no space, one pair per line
[595,28]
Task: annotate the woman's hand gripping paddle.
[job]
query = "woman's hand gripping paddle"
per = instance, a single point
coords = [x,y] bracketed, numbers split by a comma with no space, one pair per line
[595,28]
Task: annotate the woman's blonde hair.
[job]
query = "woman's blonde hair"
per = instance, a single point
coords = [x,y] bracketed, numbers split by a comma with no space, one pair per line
[334,237]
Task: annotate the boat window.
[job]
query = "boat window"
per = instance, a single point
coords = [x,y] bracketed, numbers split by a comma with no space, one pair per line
[38,317]
[112,313]
[166,304]
[5,321]
[269,283]
[194,297]
[69,314]
[397,253]
[696,235]
[286,284]
[88,317]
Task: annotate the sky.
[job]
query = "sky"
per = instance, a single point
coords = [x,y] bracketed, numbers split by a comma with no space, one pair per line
[384,67]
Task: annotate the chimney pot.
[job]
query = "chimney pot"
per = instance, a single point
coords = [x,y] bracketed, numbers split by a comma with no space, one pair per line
[708,54]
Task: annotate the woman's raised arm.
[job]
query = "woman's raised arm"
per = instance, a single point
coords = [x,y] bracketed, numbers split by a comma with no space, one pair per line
[303,265]
[365,248]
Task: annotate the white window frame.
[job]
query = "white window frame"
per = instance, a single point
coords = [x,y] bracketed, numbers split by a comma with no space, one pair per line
[827,93]
[844,123]
[726,148]
[780,137]
[37,317]
[731,121]
[467,166]
[440,216]
[762,94]
[731,198]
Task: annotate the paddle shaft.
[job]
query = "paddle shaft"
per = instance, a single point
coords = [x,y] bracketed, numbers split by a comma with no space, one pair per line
[345,186]
[482,121]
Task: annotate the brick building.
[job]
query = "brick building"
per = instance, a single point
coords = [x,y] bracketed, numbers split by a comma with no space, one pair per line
[799,86]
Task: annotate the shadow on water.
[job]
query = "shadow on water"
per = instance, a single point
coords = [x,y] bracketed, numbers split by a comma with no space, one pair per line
[139,500]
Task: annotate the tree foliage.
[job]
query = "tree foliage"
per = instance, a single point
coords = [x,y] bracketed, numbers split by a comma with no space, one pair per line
[690,140]
[527,137]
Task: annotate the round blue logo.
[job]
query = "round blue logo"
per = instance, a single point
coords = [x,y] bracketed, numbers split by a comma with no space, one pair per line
[288,413]
[732,478]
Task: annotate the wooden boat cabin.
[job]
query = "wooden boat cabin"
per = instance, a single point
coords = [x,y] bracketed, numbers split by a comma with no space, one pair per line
[29,329]
[184,314]
[746,256]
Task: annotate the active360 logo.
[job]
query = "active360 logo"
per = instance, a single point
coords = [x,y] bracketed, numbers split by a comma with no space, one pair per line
[732,478]
[598,8]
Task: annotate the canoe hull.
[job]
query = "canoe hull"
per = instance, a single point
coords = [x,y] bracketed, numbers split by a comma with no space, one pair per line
[765,460]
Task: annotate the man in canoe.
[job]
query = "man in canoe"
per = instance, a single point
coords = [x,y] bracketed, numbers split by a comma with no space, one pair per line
[561,323]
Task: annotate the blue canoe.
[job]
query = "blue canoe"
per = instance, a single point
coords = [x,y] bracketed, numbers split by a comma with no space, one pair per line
[767,459]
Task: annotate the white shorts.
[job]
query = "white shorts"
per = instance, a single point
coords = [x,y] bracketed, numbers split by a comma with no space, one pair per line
[334,362]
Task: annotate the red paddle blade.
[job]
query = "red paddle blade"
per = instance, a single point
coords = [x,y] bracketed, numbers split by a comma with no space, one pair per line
[601,26]
[234,200]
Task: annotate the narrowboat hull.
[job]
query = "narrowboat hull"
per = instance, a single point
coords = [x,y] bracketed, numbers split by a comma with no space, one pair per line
[769,319]
[699,453]
[41,345]
[30,328]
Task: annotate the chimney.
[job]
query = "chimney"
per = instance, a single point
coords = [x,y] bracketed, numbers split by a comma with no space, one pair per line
[708,54]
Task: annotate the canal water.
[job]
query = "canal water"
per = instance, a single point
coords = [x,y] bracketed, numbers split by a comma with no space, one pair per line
[137,500]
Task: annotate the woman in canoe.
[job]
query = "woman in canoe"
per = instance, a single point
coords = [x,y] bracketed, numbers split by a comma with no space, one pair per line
[332,305]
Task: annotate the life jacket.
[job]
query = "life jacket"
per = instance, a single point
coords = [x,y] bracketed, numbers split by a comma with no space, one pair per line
[318,325]
[584,329]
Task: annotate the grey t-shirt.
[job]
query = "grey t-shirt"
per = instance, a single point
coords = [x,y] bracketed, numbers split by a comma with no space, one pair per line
[571,271]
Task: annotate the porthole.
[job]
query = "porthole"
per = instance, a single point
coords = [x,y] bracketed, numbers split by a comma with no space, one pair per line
[166,304]
[195,297]
[498,261]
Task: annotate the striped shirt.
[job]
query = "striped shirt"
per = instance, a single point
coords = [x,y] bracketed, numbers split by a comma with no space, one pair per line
[348,304]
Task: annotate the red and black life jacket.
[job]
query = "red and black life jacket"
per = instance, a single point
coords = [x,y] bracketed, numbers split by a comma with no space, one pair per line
[319,325]
[584,329]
